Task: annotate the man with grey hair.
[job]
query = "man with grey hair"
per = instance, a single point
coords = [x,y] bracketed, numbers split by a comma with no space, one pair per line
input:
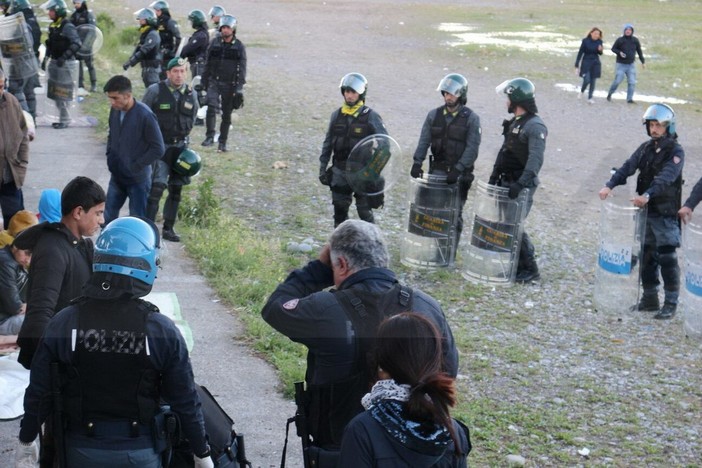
[338,326]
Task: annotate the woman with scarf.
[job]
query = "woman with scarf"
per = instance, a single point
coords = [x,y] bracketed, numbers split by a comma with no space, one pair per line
[407,421]
[590,68]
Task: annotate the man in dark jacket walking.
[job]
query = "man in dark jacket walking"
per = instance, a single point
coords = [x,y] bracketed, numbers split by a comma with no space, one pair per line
[61,259]
[134,142]
[626,48]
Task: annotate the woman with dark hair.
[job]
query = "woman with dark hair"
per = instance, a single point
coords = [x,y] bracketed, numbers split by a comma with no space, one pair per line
[407,421]
[590,68]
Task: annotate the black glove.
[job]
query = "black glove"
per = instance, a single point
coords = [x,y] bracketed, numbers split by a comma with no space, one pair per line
[492,180]
[452,176]
[60,62]
[238,101]
[325,176]
[126,65]
[514,190]
[416,171]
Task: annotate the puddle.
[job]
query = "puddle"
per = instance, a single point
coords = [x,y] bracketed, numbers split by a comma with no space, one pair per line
[621,95]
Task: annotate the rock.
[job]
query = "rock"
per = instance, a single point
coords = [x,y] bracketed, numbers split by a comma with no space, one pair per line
[516,460]
[280,165]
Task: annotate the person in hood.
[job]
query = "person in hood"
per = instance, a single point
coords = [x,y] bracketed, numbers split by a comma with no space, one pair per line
[61,259]
[626,48]
[407,420]
[50,206]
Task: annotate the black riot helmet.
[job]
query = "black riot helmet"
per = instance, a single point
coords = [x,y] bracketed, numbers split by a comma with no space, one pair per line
[160,5]
[355,82]
[197,18]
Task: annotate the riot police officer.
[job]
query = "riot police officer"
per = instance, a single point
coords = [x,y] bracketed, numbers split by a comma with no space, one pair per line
[452,132]
[81,16]
[169,31]
[175,105]
[520,159]
[224,79]
[22,87]
[348,125]
[196,48]
[61,47]
[108,359]
[215,14]
[148,51]
[659,162]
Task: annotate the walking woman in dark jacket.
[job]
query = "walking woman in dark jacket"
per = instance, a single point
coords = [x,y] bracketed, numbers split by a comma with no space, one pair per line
[590,68]
[407,421]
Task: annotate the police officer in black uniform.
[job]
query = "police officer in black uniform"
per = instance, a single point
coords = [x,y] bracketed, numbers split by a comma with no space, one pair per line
[224,79]
[348,125]
[195,51]
[106,361]
[22,87]
[453,133]
[169,31]
[79,17]
[520,159]
[61,47]
[175,105]
[147,52]
[660,163]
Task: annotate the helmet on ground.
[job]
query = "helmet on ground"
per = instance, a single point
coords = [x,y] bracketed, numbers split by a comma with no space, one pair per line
[217,11]
[355,82]
[228,20]
[59,6]
[188,163]
[160,5]
[146,14]
[128,246]
[517,89]
[455,84]
[197,18]
[662,113]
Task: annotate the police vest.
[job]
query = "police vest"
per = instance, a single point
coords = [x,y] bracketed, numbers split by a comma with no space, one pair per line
[448,141]
[223,60]
[331,407]
[57,43]
[112,377]
[167,37]
[175,118]
[347,131]
[669,201]
[514,153]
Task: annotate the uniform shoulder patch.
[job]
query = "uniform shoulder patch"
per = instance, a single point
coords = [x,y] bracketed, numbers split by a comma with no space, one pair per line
[291,304]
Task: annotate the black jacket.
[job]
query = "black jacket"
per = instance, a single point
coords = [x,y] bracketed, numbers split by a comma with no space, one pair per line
[13,279]
[61,264]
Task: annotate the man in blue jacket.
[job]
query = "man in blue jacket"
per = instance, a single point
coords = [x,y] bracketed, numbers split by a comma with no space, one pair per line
[134,142]
[626,48]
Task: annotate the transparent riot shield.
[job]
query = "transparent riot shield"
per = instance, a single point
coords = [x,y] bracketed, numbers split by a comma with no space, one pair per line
[16,52]
[61,81]
[622,229]
[691,293]
[492,254]
[373,167]
[430,240]
[91,40]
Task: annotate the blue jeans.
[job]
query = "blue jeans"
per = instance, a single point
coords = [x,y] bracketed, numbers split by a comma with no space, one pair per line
[622,70]
[117,194]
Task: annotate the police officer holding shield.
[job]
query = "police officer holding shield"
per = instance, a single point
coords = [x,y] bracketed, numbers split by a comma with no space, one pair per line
[61,47]
[659,162]
[175,106]
[453,133]
[348,125]
[106,361]
[148,51]
[82,16]
[520,159]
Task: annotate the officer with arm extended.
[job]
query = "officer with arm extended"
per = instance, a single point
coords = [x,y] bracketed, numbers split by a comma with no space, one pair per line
[453,133]
[520,159]
[660,162]
[147,52]
[348,125]
[117,357]
[691,203]
[175,106]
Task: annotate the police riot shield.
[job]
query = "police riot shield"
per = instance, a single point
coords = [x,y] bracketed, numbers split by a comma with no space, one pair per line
[61,80]
[16,52]
[430,240]
[91,40]
[373,167]
[492,254]
[691,292]
[622,229]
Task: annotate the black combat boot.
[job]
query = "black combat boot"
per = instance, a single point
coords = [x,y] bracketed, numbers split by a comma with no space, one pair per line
[666,312]
[527,269]
[222,147]
[648,303]
[169,233]
[209,141]
[341,214]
